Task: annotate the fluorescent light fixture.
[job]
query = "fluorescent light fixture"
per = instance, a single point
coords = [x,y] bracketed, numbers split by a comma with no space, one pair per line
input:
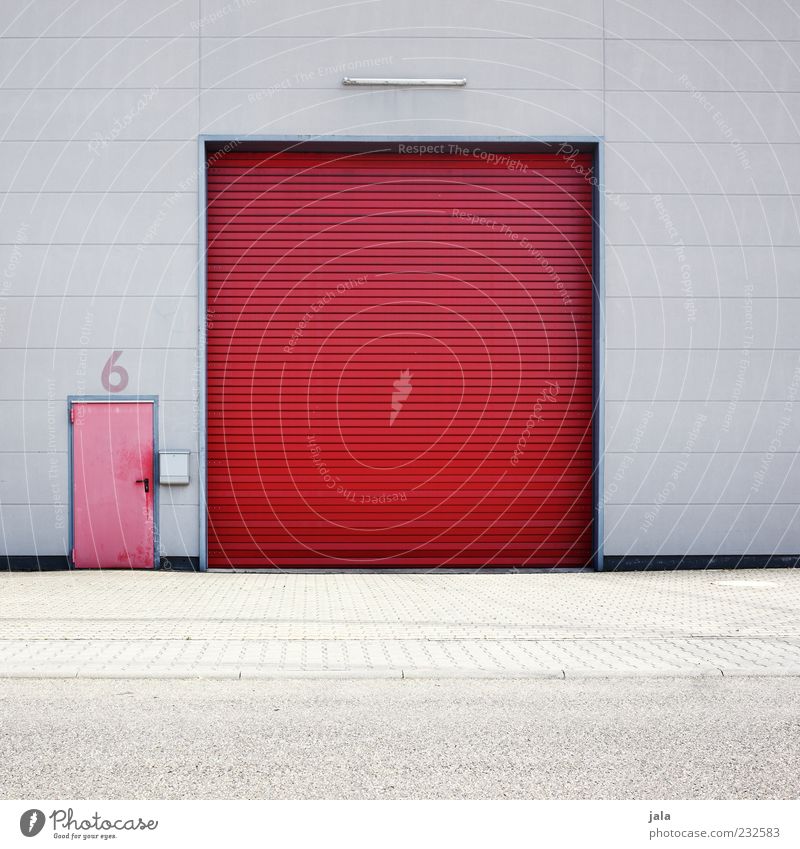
[388,81]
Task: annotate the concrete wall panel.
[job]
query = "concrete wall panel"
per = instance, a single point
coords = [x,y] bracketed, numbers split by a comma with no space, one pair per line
[702,323]
[678,529]
[750,169]
[95,18]
[714,271]
[108,270]
[41,529]
[132,218]
[89,166]
[99,116]
[692,477]
[764,220]
[403,112]
[730,426]
[99,63]
[39,373]
[711,19]
[104,323]
[716,117]
[414,19]
[716,375]
[674,65]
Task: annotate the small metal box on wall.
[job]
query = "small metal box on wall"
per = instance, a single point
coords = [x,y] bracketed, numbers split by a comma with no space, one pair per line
[173,467]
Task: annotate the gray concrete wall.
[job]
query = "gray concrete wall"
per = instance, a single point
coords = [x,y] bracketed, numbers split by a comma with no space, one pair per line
[101,109]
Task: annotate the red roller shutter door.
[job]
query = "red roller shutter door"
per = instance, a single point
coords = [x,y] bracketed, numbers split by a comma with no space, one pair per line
[399,360]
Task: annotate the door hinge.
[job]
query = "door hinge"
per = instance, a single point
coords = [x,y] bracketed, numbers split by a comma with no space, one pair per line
[71,414]
[72,556]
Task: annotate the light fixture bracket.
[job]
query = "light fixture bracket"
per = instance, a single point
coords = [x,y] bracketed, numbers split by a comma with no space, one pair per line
[406,82]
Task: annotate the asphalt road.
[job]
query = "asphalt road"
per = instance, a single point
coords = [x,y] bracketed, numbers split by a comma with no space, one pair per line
[592,738]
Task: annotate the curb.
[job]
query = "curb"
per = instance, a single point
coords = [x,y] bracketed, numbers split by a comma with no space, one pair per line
[387,674]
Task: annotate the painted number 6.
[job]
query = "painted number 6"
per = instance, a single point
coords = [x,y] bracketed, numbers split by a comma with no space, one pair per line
[110,368]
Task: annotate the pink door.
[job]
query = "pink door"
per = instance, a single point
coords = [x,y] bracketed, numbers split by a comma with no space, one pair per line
[113,484]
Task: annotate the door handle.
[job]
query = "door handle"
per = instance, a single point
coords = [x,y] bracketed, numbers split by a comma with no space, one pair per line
[146,482]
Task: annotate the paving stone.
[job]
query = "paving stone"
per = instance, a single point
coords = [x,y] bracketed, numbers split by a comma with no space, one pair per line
[235,625]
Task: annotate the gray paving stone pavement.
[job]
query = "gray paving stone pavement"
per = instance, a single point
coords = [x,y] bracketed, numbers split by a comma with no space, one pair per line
[554,625]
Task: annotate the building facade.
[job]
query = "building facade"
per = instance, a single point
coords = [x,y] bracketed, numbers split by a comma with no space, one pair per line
[172,174]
